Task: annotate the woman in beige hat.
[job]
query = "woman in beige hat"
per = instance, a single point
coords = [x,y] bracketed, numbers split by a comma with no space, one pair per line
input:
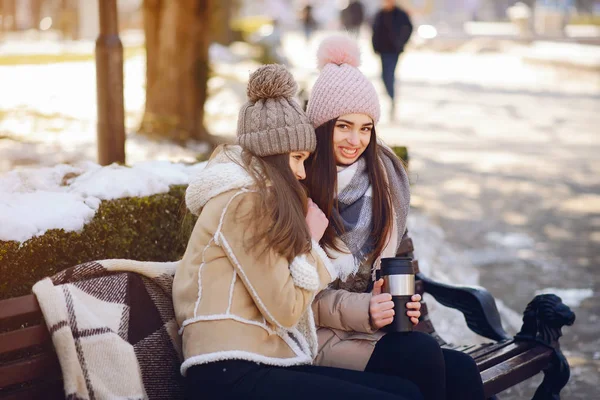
[363,189]
[243,290]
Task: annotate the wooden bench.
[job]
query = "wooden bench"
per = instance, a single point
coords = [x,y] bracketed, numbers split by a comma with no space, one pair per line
[505,361]
[29,368]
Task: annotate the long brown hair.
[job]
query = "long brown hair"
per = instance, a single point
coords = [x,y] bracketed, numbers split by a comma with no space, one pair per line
[321,182]
[278,217]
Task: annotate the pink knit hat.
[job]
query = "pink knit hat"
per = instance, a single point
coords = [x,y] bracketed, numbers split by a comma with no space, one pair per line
[341,88]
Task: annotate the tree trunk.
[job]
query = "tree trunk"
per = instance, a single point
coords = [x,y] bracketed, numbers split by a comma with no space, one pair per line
[68,21]
[36,13]
[220,22]
[9,15]
[177,40]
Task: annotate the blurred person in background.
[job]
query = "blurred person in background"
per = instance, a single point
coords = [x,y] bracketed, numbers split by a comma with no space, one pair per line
[353,17]
[308,21]
[391,31]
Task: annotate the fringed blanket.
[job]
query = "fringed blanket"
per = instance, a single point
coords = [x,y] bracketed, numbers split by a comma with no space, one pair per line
[114,330]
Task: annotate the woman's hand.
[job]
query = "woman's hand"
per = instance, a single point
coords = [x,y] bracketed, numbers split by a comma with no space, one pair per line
[381,307]
[414,308]
[316,220]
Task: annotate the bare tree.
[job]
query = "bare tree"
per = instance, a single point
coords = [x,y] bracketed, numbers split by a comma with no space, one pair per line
[221,15]
[177,40]
[9,11]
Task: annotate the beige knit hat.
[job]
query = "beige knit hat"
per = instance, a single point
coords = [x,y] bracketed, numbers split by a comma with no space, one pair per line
[272,122]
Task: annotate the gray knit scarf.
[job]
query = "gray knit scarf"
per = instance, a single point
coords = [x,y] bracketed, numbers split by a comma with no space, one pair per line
[355,202]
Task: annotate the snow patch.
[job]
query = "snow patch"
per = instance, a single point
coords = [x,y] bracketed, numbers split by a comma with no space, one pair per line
[33,201]
[570,297]
[115,181]
[442,262]
[512,240]
[25,215]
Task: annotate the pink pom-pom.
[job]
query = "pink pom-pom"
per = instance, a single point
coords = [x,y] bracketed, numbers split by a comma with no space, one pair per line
[338,50]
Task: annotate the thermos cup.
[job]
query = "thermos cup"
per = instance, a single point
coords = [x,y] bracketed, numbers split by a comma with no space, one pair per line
[399,281]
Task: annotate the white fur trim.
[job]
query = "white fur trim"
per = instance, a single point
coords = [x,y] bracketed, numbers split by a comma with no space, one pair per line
[306,333]
[202,264]
[312,328]
[243,355]
[333,271]
[199,296]
[233,279]
[215,180]
[220,226]
[222,317]
[304,274]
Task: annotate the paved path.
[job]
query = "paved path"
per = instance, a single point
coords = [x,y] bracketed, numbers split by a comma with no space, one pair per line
[520,193]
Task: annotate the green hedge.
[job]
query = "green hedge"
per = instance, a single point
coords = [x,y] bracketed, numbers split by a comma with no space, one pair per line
[140,228]
[402,153]
[153,228]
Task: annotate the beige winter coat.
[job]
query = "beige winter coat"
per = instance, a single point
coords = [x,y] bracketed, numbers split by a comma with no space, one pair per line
[234,303]
[346,338]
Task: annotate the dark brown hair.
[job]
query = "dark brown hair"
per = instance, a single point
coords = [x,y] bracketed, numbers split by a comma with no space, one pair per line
[321,182]
[278,219]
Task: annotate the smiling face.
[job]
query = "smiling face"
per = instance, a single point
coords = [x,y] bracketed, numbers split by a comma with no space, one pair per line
[297,159]
[351,136]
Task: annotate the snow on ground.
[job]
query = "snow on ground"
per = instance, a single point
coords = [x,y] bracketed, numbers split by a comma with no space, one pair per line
[67,197]
[444,263]
[571,297]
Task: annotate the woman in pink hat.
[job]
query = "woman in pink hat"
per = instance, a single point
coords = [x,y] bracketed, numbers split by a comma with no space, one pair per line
[363,189]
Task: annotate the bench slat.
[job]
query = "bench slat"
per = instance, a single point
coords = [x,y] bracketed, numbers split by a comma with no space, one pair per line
[514,370]
[23,338]
[479,348]
[41,390]
[18,310]
[502,354]
[40,366]
[463,348]
[485,350]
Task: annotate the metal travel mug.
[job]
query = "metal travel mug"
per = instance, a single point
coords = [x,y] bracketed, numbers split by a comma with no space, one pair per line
[399,281]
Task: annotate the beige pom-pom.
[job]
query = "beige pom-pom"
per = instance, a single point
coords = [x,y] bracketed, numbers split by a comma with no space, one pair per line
[270,82]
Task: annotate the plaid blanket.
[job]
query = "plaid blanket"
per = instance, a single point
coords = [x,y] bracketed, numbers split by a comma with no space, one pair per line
[114,330]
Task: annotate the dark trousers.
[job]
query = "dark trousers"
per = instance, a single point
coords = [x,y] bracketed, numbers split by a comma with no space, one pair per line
[236,379]
[389,61]
[439,373]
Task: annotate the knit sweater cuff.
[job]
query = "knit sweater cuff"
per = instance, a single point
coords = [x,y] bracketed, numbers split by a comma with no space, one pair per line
[304,274]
